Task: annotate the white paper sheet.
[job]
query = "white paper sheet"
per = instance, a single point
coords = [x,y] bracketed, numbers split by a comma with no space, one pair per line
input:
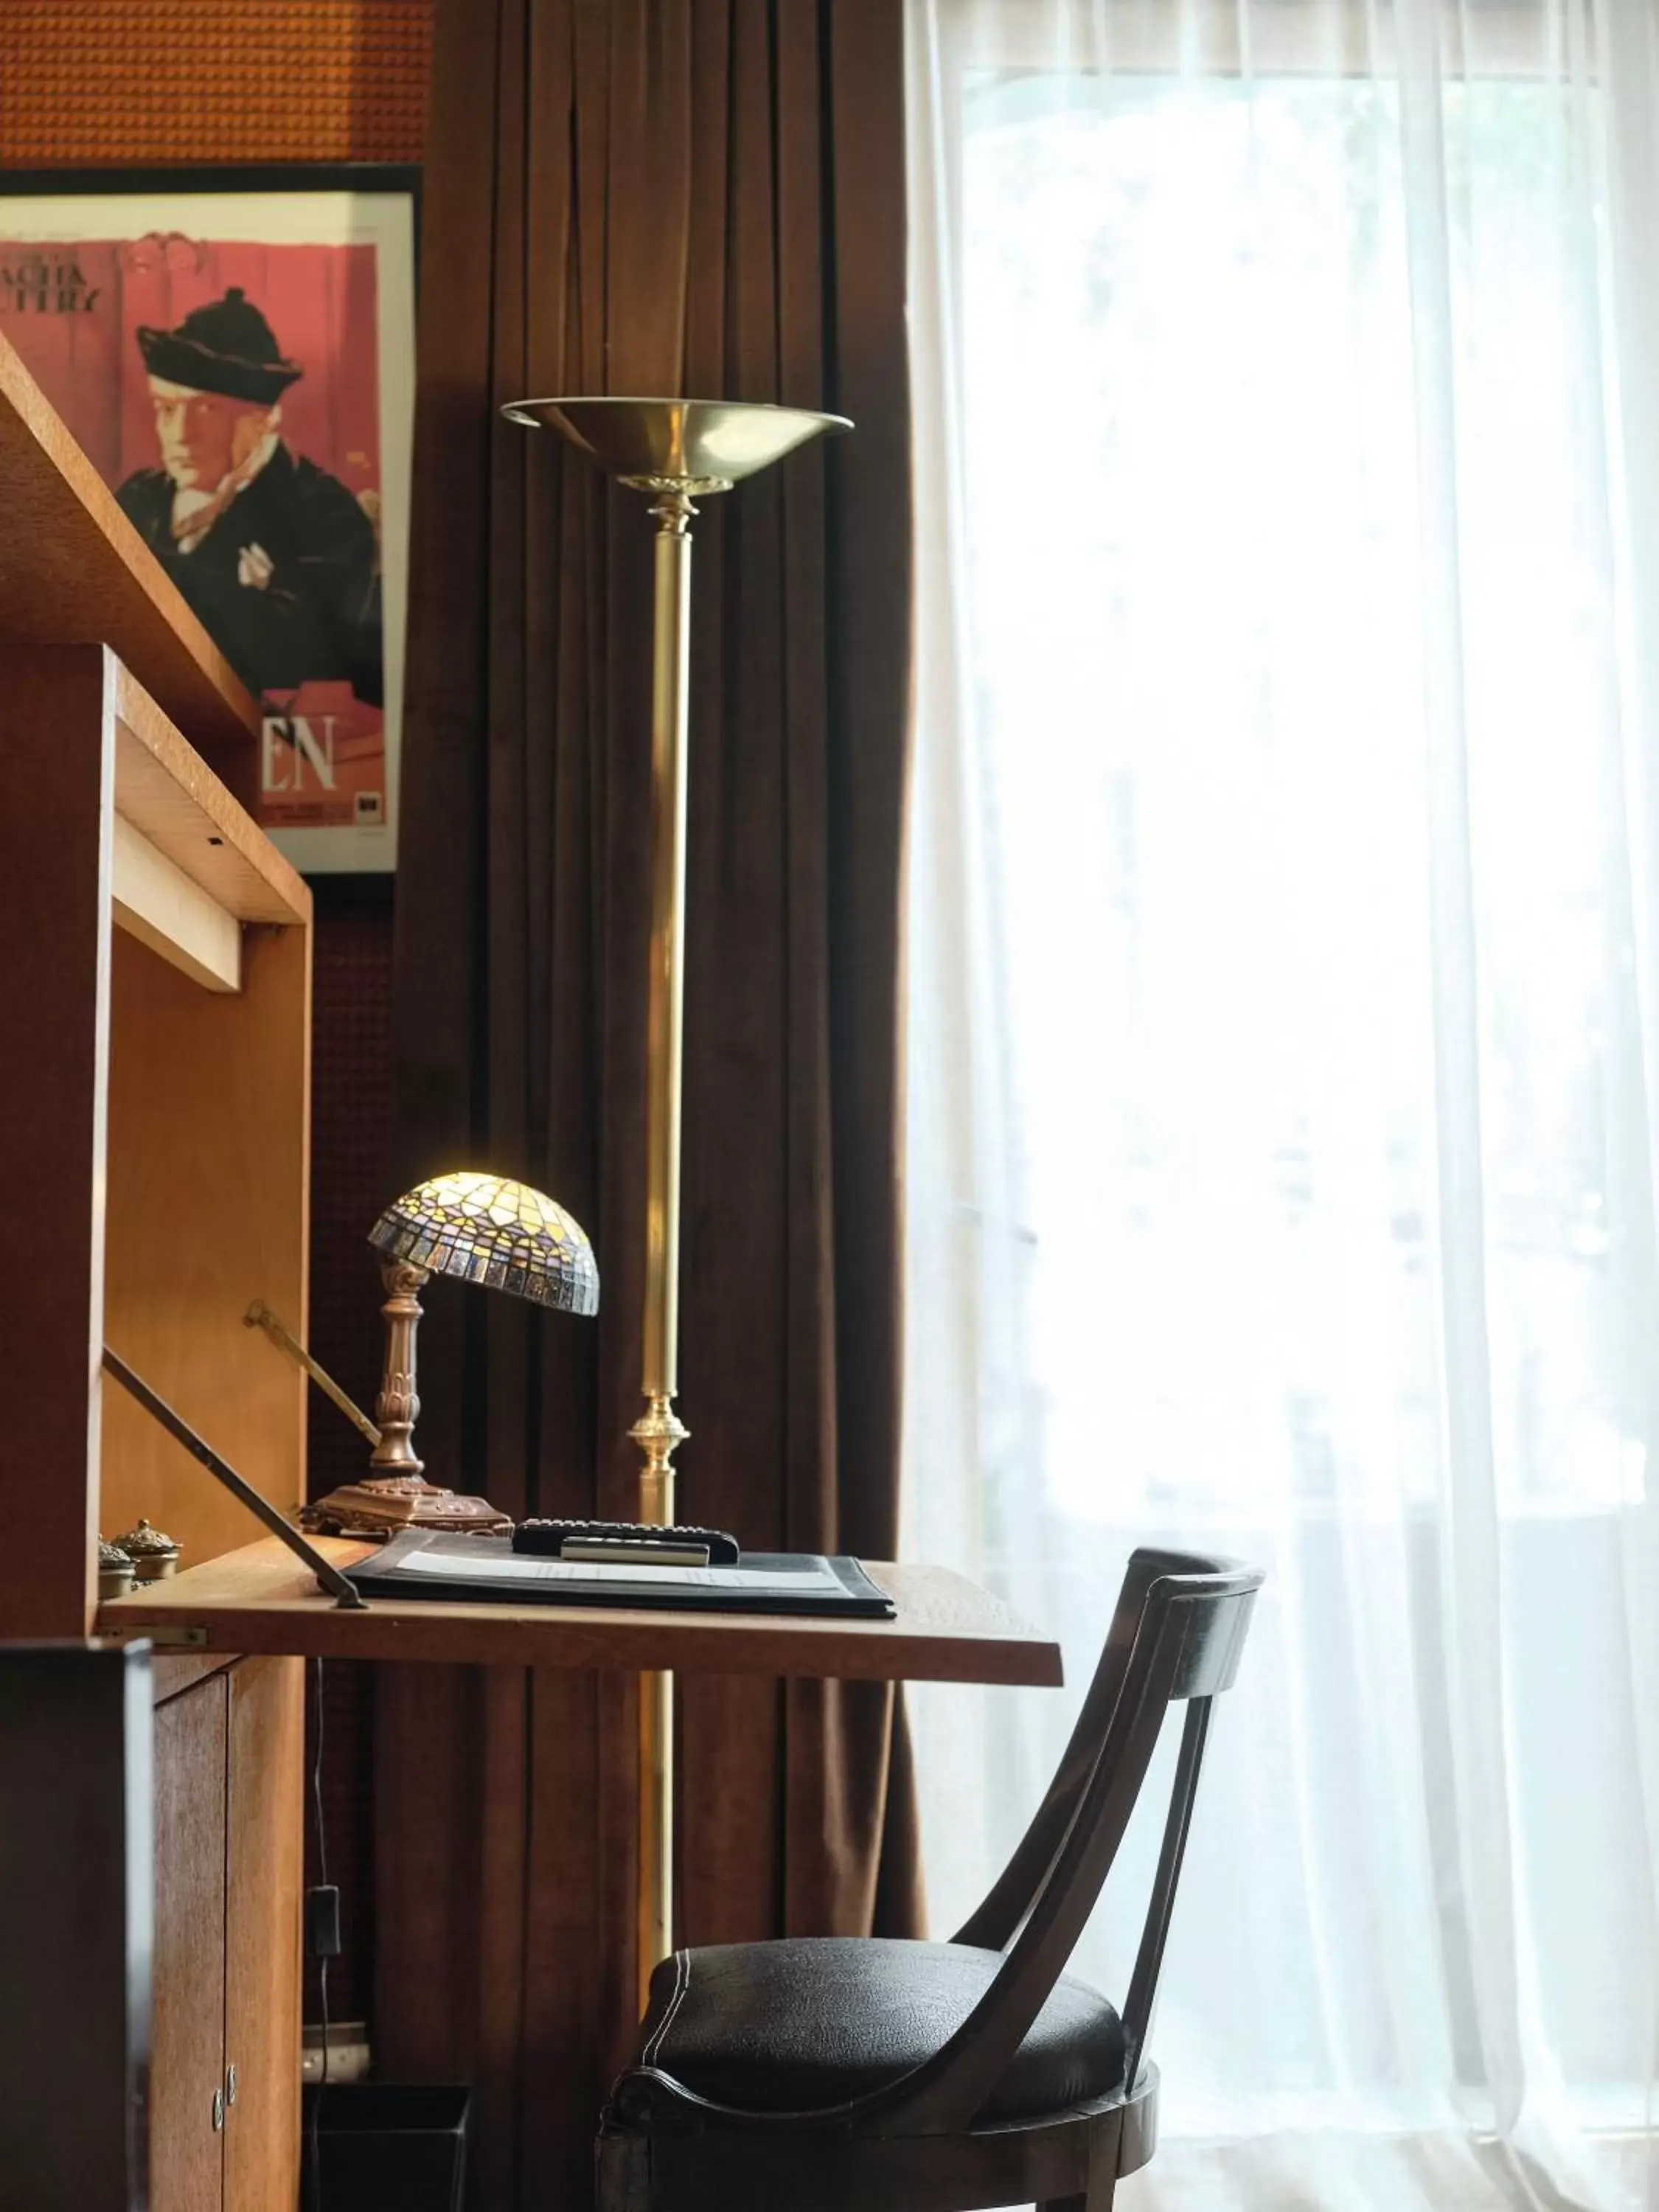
[814,1577]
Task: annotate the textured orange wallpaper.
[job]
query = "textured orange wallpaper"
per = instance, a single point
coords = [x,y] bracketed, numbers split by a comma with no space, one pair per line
[114,81]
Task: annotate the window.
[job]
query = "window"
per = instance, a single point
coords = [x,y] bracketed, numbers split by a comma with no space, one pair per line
[1280,1136]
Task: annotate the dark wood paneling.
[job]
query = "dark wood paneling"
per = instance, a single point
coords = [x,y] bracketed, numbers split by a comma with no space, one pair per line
[74,1862]
[55,860]
[350,1129]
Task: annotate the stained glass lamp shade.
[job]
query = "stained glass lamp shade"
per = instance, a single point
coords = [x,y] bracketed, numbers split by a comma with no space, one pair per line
[481,1228]
[503,1234]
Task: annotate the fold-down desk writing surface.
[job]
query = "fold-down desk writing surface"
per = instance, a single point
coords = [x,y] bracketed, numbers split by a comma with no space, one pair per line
[261,1599]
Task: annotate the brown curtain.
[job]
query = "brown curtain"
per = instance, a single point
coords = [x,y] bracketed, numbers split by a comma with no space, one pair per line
[636,195]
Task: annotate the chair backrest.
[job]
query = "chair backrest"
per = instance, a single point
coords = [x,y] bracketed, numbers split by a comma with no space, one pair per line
[1177,1634]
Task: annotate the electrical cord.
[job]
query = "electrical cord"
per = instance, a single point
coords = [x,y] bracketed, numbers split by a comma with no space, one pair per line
[314,2145]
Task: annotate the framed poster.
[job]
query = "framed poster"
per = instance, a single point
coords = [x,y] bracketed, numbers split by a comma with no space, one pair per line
[233,350]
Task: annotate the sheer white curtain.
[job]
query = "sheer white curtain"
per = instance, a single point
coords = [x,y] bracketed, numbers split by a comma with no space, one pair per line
[1283,1043]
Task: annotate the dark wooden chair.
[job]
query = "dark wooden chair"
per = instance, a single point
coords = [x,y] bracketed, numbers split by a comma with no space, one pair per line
[823,2074]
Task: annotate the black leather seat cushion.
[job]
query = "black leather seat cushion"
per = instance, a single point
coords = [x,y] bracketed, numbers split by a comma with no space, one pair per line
[798,2026]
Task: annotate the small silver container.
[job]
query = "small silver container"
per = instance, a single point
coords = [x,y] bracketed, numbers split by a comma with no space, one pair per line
[154,1555]
[115,1571]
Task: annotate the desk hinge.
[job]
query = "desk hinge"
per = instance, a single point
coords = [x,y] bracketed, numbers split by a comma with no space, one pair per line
[164,1636]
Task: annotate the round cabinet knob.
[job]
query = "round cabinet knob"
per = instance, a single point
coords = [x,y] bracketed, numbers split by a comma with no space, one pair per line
[218,2110]
[230,2084]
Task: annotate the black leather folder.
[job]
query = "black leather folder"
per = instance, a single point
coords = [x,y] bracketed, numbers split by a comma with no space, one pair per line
[426,1563]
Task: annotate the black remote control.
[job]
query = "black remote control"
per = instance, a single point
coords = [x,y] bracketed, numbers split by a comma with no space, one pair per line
[633,1539]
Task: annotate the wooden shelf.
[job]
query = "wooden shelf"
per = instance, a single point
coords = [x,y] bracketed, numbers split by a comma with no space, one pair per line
[165,790]
[73,570]
[189,864]
[261,1599]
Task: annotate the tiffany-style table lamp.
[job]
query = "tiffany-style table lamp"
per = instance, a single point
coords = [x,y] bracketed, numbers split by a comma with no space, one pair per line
[481,1229]
[677,451]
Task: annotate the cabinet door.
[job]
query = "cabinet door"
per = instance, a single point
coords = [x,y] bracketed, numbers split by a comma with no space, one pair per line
[262,1960]
[186,2148]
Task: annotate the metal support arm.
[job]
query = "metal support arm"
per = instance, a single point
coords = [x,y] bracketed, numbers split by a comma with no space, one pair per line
[345,1594]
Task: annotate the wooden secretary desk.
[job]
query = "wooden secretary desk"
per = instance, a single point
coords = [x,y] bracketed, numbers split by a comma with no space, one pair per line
[155,1004]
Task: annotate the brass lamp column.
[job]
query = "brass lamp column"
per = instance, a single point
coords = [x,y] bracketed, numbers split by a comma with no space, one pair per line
[677,450]
[658,1429]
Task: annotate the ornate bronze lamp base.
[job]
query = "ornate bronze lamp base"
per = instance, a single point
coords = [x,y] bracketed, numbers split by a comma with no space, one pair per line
[380,1510]
[396,1495]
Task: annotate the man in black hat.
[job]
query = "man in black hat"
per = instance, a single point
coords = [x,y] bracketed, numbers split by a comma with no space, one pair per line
[273,553]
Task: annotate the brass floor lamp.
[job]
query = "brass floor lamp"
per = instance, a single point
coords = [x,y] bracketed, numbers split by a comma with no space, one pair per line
[677,450]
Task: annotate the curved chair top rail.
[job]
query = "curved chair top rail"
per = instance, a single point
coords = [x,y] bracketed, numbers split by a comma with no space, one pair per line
[1009,1898]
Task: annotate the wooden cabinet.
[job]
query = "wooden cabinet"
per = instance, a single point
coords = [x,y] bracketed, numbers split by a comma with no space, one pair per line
[187,2034]
[155,997]
[264,1875]
[225,2080]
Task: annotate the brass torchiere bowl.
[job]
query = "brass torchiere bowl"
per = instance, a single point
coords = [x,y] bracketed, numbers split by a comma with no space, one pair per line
[683,447]
[677,450]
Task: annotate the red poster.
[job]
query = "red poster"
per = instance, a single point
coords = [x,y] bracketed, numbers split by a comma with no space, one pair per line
[231,392]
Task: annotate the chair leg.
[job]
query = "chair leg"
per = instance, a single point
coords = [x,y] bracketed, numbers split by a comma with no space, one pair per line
[1104,2147]
[1103,2187]
[1103,2179]
[621,2171]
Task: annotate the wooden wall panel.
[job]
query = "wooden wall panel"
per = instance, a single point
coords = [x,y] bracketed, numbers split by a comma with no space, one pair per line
[209,1104]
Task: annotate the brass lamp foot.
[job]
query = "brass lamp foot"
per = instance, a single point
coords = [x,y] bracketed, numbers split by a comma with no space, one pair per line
[380,1510]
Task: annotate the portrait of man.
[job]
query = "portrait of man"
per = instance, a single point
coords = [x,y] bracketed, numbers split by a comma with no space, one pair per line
[272,552]
[233,353]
